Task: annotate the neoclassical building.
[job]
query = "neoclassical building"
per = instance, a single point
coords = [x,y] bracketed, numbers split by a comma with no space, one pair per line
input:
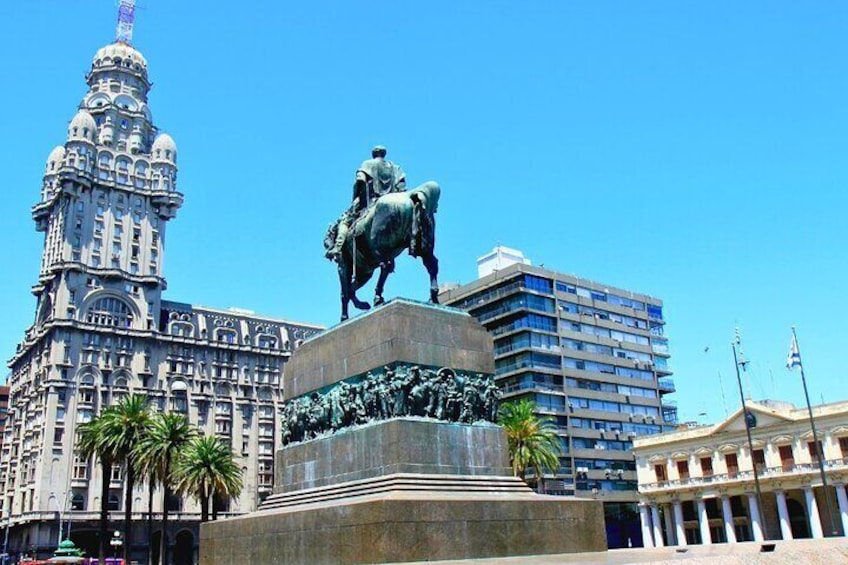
[696,486]
[102,329]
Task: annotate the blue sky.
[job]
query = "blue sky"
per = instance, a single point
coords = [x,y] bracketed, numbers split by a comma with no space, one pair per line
[694,151]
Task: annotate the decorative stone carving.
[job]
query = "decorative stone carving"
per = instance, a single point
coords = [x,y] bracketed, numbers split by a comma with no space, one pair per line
[405,390]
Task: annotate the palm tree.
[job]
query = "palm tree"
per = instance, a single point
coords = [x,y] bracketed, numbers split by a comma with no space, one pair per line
[90,445]
[122,428]
[207,468]
[169,434]
[532,440]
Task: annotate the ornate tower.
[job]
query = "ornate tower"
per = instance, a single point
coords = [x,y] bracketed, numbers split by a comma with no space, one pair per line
[107,196]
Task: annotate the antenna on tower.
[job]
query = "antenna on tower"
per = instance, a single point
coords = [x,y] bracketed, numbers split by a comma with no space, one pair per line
[126,17]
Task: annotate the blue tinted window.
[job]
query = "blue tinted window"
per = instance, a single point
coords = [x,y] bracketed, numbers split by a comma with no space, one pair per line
[655,311]
[538,284]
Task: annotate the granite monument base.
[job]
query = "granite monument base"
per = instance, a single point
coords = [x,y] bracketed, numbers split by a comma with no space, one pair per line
[404,488]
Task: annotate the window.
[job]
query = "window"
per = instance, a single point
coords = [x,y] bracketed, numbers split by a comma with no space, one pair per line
[707,466]
[732,464]
[80,468]
[114,500]
[661,473]
[843,446]
[77,501]
[759,458]
[683,469]
[814,453]
[787,458]
[110,311]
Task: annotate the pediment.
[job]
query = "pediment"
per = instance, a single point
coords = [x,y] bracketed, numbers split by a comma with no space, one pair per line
[657,459]
[782,439]
[839,431]
[728,448]
[764,418]
[677,455]
[702,451]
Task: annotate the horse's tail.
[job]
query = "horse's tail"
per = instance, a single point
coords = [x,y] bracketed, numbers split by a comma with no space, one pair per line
[425,202]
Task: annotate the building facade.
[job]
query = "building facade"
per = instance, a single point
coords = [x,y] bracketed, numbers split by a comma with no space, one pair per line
[592,357]
[102,329]
[696,486]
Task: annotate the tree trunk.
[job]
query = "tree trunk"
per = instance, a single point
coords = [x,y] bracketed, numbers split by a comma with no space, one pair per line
[214,506]
[150,523]
[204,505]
[128,500]
[106,464]
[166,494]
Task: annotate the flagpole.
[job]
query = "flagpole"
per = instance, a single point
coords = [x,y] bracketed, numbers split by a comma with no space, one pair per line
[761,509]
[819,454]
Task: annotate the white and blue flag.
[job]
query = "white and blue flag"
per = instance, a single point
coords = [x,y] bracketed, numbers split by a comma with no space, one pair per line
[794,359]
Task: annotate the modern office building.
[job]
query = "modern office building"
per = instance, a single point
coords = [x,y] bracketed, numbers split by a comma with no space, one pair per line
[592,357]
[696,486]
[102,330]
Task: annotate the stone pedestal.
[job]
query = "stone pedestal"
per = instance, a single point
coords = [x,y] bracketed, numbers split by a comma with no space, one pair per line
[405,489]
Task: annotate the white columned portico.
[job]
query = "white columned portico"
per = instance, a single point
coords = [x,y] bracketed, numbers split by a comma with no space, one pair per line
[655,518]
[704,523]
[680,527]
[842,500]
[783,514]
[754,512]
[669,524]
[727,513]
[813,513]
[645,521]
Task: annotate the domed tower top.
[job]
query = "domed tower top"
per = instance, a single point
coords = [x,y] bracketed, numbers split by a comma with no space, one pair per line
[54,160]
[118,59]
[164,149]
[82,127]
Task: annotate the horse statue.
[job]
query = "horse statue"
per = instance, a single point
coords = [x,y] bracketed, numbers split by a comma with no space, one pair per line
[395,222]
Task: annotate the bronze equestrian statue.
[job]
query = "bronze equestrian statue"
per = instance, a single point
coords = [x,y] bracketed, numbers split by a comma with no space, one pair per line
[383,220]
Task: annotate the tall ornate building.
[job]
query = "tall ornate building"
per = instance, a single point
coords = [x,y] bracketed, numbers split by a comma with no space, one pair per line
[102,329]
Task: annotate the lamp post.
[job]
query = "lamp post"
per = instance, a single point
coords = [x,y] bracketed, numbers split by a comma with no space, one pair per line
[116,542]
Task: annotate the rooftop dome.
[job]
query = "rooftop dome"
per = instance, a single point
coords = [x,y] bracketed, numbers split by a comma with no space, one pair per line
[82,126]
[164,149]
[55,159]
[122,54]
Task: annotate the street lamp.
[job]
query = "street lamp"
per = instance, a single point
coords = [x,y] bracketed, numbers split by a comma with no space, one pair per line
[116,542]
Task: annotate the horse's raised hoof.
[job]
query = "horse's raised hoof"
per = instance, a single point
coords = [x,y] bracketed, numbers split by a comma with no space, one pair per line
[361,305]
[378,300]
[434,296]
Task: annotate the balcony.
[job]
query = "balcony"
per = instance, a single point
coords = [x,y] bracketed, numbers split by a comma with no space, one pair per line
[780,472]
[666,385]
[669,412]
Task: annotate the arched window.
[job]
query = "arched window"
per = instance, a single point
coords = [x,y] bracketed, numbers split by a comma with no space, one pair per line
[114,501]
[184,329]
[225,335]
[77,501]
[266,341]
[110,311]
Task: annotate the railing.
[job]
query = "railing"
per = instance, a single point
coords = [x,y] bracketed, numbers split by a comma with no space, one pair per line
[666,384]
[781,471]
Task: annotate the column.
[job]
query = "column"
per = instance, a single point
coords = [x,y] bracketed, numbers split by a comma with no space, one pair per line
[704,522]
[783,514]
[645,520]
[754,513]
[655,518]
[813,513]
[842,500]
[727,512]
[669,525]
[678,522]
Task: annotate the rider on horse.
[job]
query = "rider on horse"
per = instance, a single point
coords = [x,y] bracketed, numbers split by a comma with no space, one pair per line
[374,178]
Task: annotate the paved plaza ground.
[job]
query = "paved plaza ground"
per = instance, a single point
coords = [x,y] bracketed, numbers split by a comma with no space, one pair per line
[831,551]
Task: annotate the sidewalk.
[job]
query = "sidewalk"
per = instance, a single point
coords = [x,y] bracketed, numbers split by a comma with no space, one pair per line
[830,551]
